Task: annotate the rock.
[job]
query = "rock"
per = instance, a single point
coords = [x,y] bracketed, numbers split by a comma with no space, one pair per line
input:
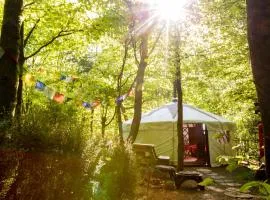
[189,184]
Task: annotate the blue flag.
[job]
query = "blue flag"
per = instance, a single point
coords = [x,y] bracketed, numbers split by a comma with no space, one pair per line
[40,86]
[86,105]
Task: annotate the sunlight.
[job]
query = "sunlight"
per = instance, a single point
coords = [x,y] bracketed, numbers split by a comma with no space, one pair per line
[170,9]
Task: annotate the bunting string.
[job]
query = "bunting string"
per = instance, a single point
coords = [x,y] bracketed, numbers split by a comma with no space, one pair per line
[58,97]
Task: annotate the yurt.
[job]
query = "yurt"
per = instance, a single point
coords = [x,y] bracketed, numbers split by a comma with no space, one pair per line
[206,135]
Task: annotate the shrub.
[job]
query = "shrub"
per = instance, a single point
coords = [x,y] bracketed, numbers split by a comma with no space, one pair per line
[52,128]
[118,176]
[51,156]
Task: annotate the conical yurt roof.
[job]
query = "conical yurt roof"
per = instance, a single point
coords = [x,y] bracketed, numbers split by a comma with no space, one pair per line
[191,114]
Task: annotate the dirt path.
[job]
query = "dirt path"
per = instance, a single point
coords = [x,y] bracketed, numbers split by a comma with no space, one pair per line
[225,187]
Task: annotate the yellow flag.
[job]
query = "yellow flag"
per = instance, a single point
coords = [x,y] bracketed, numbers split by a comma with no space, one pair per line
[29,79]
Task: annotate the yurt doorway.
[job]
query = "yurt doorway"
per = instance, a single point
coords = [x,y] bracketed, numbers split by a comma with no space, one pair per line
[196,151]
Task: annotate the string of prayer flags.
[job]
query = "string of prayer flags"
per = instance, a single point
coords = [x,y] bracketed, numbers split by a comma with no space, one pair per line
[59,98]
[40,86]
[56,96]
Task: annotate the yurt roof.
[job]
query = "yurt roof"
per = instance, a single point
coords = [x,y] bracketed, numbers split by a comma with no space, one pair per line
[191,114]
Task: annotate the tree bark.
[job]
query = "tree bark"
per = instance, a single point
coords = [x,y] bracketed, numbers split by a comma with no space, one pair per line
[119,91]
[119,122]
[138,88]
[20,64]
[10,37]
[258,13]
[178,89]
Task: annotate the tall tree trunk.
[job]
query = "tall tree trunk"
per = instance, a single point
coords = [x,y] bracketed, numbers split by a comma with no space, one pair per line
[259,42]
[119,91]
[10,38]
[178,88]
[138,88]
[20,64]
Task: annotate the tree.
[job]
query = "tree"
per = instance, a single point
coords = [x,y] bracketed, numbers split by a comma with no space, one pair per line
[143,35]
[178,88]
[9,44]
[259,42]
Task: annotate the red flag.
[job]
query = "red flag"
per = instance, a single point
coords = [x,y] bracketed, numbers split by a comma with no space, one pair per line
[95,103]
[59,98]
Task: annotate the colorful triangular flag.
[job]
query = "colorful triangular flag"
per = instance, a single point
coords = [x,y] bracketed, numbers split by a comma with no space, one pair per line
[40,86]
[49,92]
[59,98]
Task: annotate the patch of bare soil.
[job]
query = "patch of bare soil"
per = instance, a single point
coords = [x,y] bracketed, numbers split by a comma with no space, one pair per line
[225,187]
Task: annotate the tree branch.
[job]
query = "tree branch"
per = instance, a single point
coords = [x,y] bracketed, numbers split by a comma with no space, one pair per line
[62,33]
[156,41]
[27,5]
[135,51]
[30,33]
[120,76]
[107,124]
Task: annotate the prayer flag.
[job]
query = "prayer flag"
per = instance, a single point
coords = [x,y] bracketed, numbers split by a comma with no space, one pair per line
[95,104]
[86,105]
[49,92]
[29,79]
[59,98]
[131,92]
[40,86]
[121,98]
[69,79]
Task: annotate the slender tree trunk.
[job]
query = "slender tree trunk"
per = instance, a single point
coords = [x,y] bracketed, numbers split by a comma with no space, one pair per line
[259,42]
[20,64]
[178,88]
[119,122]
[119,91]
[138,88]
[10,37]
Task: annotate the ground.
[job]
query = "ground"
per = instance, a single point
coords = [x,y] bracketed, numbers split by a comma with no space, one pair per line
[48,176]
[225,187]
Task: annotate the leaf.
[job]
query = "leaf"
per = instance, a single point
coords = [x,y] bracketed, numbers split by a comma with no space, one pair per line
[249,185]
[206,182]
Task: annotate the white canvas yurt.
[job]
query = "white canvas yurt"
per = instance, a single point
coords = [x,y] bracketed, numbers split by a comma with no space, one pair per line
[206,135]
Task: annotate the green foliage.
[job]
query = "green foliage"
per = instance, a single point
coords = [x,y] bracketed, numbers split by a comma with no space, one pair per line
[118,176]
[235,165]
[54,153]
[53,128]
[32,175]
[263,188]
[207,181]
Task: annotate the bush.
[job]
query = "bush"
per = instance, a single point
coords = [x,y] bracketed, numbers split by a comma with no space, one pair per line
[53,128]
[50,155]
[118,177]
